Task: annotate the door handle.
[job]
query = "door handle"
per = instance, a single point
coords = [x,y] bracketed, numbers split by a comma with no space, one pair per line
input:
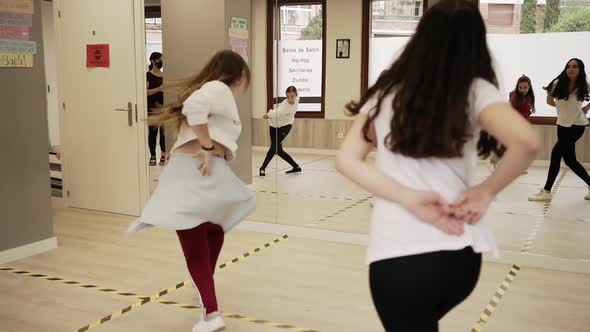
[129,111]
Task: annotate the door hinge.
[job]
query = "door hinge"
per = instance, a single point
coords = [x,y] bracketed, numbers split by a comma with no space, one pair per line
[59,14]
[68,193]
[135,113]
[48,88]
[63,105]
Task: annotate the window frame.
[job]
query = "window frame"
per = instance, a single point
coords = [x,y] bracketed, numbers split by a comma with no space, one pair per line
[366,31]
[272,26]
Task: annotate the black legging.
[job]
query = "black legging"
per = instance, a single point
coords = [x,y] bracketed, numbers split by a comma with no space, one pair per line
[413,293]
[277,135]
[152,137]
[566,148]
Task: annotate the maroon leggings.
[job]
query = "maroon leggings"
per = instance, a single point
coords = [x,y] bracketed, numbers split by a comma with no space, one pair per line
[201,246]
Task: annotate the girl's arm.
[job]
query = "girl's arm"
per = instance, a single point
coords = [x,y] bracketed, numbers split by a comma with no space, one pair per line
[351,162]
[151,92]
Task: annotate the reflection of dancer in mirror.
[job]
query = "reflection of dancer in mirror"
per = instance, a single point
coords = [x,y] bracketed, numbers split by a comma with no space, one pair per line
[427,233]
[567,93]
[280,122]
[522,98]
[198,195]
[155,98]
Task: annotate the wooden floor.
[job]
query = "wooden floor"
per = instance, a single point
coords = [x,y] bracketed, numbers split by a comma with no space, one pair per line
[303,282]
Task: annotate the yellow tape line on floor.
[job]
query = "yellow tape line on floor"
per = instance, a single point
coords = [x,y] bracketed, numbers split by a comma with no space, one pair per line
[493,304]
[528,244]
[156,297]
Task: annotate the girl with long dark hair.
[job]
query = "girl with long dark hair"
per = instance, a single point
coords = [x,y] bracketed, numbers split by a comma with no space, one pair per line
[155,98]
[425,115]
[567,93]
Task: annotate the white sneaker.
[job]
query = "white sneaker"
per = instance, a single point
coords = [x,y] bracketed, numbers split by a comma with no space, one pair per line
[214,324]
[542,196]
[137,226]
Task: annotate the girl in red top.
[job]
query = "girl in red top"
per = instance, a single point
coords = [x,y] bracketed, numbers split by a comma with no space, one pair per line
[523,97]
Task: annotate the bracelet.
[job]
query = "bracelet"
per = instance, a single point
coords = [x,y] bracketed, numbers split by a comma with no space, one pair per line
[208,149]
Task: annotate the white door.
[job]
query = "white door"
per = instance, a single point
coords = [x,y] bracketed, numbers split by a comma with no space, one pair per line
[104,137]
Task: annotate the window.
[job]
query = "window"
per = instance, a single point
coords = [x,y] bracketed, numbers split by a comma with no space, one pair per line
[297,49]
[500,14]
[395,17]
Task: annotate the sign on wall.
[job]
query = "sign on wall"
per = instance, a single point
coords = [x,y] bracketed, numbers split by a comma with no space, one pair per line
[16,60]
[238,36]
[300,65]
[98,56]
[17,6]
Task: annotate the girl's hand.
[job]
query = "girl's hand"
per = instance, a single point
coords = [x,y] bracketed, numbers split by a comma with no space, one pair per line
[472,205]
[205,166]
[586,108]
[431,208]
[265,116]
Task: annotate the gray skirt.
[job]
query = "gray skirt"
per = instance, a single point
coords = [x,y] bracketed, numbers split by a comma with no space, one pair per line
[185,198]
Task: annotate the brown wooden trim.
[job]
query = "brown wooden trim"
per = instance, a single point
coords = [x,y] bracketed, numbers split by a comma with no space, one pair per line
[544,120]
[365,35]
[365,45]
[270,13]
[271,25]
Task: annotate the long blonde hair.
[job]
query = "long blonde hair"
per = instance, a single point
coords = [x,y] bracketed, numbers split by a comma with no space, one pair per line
[226,66]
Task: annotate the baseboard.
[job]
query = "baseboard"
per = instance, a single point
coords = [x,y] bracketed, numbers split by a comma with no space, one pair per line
[327,152]
[321,152]
[28,250]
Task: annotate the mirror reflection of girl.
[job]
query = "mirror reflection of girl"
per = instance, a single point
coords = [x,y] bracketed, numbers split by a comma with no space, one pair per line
[427,230]
[567,93]
[280,123]
[155,98]
[522,98]
[198,195]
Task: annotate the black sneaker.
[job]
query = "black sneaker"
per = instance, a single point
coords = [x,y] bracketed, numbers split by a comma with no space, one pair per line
[162,161]
[153,161]
[262,172]
[294,171]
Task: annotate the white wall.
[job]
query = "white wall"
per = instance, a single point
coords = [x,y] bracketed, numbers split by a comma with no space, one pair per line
[51,72]
[540,56]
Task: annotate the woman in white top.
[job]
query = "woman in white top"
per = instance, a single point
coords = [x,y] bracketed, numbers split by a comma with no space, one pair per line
[280,122]
[198,195]
[425,116]
[567,93]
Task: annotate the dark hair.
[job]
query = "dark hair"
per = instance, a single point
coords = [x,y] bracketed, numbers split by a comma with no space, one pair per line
[519,98]
[291,89]
[561,91]
[226,66]
[432,79]
[153,57]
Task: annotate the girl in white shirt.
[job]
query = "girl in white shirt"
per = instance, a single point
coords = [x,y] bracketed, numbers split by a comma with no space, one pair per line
[425,116]
[198,195]
[566,93]
[280,122]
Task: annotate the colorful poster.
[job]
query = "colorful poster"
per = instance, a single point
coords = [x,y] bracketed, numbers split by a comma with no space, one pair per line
[17,6]
[18,47]
[16,60]
[98,56]
[239,23]
[16,19]
[15,32]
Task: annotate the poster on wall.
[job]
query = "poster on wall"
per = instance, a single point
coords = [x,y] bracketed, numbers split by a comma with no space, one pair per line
[98,56]
[17,6]
[18,47]
[238,36]
[16,60]
[25,20]
[300,65]
[15,32]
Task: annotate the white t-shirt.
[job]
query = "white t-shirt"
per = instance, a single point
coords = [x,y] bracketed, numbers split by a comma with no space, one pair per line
[284,115]
[569,112]
[215,105]
[395,232]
